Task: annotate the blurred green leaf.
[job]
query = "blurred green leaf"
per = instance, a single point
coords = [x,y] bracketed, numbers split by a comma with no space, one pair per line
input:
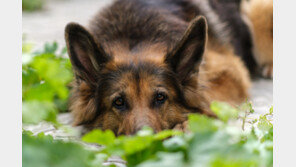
[176,143]
[164,159]
[224,111]
[27,48]
[45,80]
[37,111]
[232,162]
[43,151]
[97,136]
[202,123]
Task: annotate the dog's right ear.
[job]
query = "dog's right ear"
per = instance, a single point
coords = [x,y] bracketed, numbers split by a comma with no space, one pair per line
[187,55]
[87,57]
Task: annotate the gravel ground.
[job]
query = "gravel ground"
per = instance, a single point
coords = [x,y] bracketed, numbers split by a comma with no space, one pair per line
[48,25]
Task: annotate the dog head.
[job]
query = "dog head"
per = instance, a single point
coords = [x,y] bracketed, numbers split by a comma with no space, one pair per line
[124,90]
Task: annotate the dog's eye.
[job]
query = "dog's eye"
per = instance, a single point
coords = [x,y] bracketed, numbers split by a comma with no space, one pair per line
[160,98]
[119,103]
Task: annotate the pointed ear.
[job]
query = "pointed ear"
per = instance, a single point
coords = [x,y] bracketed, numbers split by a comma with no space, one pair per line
[186,56]
[87,57]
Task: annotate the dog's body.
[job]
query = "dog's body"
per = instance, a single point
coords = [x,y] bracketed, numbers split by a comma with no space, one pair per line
[259,17]
[150,63]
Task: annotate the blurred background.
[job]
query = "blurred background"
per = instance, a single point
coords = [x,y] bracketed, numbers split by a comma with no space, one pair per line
[45,20]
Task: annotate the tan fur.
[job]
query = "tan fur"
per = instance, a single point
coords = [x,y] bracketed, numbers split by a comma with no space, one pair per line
[224,75]
[177,62]
[81,101]
[140,115]
[153,52]
[260,15]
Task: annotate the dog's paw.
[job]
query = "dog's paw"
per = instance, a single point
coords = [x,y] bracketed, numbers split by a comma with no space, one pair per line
[267,71]
[182,127]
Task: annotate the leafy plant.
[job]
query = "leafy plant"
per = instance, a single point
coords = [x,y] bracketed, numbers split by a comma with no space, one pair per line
[213,142]
[43,151]
[45,78]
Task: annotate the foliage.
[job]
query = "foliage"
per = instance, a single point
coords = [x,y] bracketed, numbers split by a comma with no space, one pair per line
[43,151]
[45,79]
[32,5]
[212,142]
[215,143]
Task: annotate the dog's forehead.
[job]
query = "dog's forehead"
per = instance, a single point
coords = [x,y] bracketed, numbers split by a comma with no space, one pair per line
[143,78]
[122,52]
[143,74]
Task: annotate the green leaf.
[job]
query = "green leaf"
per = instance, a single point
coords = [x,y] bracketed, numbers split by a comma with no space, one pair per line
[36,111]
[176,143]
[264,124]
[233,162]
[134,144]
[43,151]
[224,111]
[202,123]
[164,159]
[271,110]
[106,138]
[27,47]
[45,80]
[165,134]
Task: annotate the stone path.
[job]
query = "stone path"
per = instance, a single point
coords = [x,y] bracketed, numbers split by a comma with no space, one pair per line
[48,25]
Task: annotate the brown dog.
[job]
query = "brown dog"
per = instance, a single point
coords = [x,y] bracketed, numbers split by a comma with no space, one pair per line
[260,20]
[149,63]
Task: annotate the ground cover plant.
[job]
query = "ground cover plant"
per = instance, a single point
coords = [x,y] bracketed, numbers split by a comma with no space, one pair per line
[45,83]
[230,141]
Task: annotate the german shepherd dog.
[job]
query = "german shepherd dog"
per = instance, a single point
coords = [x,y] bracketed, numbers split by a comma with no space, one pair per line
[151,63]
[259,18]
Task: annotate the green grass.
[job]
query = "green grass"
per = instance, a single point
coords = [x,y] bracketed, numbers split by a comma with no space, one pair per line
[210,143]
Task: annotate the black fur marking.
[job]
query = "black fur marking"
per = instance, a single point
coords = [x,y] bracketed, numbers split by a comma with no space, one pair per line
[87,57]
[182,61]
[229,12]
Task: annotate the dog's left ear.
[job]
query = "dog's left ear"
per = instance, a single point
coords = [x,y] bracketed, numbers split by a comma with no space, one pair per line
[186,56]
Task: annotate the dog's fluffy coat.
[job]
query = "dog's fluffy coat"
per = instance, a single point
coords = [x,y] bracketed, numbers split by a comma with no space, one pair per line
[157,60]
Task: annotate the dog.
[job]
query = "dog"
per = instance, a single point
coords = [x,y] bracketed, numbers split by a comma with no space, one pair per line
[258,15]
[151,63]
